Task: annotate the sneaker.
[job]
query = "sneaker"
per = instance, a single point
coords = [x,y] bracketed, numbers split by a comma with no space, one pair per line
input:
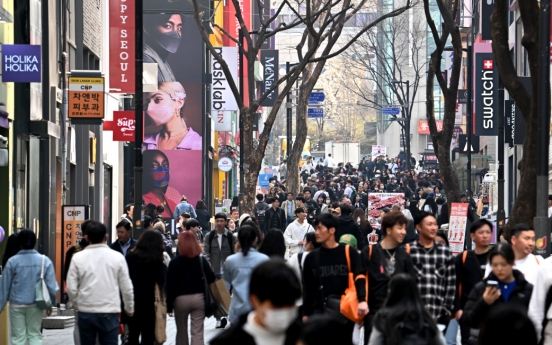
[223,322]
[218,324]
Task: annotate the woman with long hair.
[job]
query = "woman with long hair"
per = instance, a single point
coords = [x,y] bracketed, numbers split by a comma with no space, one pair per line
[186,289]
[321,200]
[203,217]
[503,286]
[237,270]
[403,316]
[165,109]
[357,203]
[146,270]
[359,216]
[273,244]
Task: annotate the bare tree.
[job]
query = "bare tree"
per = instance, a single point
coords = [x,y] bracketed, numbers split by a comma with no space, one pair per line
[525,206]
[382,59]
[323,22]
[442,140]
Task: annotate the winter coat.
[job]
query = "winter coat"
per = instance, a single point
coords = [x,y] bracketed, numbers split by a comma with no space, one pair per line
[347,225]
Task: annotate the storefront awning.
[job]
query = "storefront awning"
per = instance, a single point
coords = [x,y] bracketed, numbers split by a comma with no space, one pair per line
[4,121]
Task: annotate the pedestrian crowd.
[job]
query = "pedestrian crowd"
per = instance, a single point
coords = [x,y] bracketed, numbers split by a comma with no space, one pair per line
[301,269]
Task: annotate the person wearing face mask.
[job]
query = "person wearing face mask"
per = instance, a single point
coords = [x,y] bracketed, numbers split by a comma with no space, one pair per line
[165,110]
[156,182]
[273,291]
[162,37]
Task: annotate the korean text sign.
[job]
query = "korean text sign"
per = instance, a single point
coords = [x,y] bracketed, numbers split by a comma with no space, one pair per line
[86,98]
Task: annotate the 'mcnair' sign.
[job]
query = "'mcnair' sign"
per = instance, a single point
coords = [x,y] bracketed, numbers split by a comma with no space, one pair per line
[21,63]
[486,95]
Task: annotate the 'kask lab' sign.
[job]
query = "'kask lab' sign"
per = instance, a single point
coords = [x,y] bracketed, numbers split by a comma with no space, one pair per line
[86,98]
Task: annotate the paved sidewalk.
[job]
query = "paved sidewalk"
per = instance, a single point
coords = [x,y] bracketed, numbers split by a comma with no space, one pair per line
[65,336]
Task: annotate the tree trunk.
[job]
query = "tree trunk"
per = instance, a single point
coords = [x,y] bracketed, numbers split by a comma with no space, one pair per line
[253,160]
[525,206]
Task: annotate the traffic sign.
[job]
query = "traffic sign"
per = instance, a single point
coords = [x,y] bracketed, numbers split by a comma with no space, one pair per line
[391,111]
[317,97]
[315,113]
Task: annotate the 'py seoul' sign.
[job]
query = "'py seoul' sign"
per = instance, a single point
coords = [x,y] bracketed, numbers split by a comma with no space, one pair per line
[21,63]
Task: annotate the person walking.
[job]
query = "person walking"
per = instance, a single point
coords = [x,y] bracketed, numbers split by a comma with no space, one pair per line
[182,207]
[522,239]
[504,285]
[96,279]
[326,272]
[260,212]
[289,207]
[402,318]
[383,261]
[434,265]
[272,290]
[124,241]
[18,286]
[203,217]
[348,225]
[186,289]
[237,271]
[296,231]
[146,271]
[470,269]
[539,311]
[275,217]
[217,247]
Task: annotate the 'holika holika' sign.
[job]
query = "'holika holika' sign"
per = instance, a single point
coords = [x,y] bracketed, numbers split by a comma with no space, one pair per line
[21,63]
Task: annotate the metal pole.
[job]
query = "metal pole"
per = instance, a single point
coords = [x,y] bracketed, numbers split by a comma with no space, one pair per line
[242,141]
[407,125]
[138,164]
[288,117]
[542,222]
[500,215]
[469,118]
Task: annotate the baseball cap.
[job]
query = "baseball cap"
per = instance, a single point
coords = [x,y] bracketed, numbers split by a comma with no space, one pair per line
[348,239]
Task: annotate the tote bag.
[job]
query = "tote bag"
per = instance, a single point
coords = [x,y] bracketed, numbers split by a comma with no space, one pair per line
[42,295]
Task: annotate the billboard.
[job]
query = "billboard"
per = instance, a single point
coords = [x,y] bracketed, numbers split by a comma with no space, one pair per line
[21,63]
[376,203]
[173,121]
[486,95]
[423,126]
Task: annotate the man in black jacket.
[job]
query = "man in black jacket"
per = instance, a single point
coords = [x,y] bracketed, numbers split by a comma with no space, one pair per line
[382,261]
[275,217]
[274,288]
[260,212]
[309,202]
[347,225]
[124,242]
[470,270]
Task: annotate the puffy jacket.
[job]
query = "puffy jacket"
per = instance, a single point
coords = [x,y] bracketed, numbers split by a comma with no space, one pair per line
[20,276]
[476,309]
[347,225]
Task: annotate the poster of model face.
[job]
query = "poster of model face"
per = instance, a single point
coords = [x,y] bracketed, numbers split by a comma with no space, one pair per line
[377,203]
[173,122]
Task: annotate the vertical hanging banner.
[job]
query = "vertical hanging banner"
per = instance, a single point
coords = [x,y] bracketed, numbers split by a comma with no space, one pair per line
[222,97]
[487,7]
[486,95]
[121,46]
[269,60]
[457,227]
[509,118]
[261,12]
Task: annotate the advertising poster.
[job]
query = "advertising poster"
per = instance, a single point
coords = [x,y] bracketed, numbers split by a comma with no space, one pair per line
[173,122]
[377,202]
[378,150]
[457,227]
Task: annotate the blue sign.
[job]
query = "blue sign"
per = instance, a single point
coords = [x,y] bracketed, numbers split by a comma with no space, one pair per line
[21,63]
[264,180]
[317,97]
[315,113]
[391,111]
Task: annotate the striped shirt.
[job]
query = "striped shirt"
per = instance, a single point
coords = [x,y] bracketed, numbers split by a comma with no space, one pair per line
[435,277]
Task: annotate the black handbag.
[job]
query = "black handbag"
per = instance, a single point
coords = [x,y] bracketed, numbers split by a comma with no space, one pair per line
[211,305]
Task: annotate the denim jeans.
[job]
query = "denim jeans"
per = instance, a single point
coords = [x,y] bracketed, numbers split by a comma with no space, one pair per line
[452,332]
[228,286]
[103,325]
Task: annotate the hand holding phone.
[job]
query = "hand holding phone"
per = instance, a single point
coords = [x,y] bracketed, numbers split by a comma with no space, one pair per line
[492,292]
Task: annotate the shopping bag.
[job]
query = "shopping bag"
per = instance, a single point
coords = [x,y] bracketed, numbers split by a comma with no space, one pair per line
[160,316]
[221,296]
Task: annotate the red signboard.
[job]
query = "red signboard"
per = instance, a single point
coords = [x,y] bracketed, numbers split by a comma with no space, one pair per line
[121,46]
[123,125]
[423,126]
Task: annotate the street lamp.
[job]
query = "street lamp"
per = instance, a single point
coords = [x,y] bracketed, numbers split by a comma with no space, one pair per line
[406,108]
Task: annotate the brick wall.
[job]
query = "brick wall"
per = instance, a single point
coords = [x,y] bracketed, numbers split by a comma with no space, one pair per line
[92,28]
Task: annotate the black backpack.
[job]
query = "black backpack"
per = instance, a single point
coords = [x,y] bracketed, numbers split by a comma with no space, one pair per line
[260,213]
[410,334]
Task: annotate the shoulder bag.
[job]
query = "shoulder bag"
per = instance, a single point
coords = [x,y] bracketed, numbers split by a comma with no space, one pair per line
[42,295]
[349,301]
[211,305]
[160,316]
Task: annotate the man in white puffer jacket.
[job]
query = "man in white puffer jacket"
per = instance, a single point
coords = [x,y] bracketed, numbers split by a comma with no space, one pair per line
[296,231]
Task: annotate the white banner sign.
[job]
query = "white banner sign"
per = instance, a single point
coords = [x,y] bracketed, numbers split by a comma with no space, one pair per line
[222,120]
[222,97]
[378,150]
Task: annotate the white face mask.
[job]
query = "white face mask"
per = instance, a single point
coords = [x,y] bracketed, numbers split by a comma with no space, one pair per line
[278,320]
[160,114]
